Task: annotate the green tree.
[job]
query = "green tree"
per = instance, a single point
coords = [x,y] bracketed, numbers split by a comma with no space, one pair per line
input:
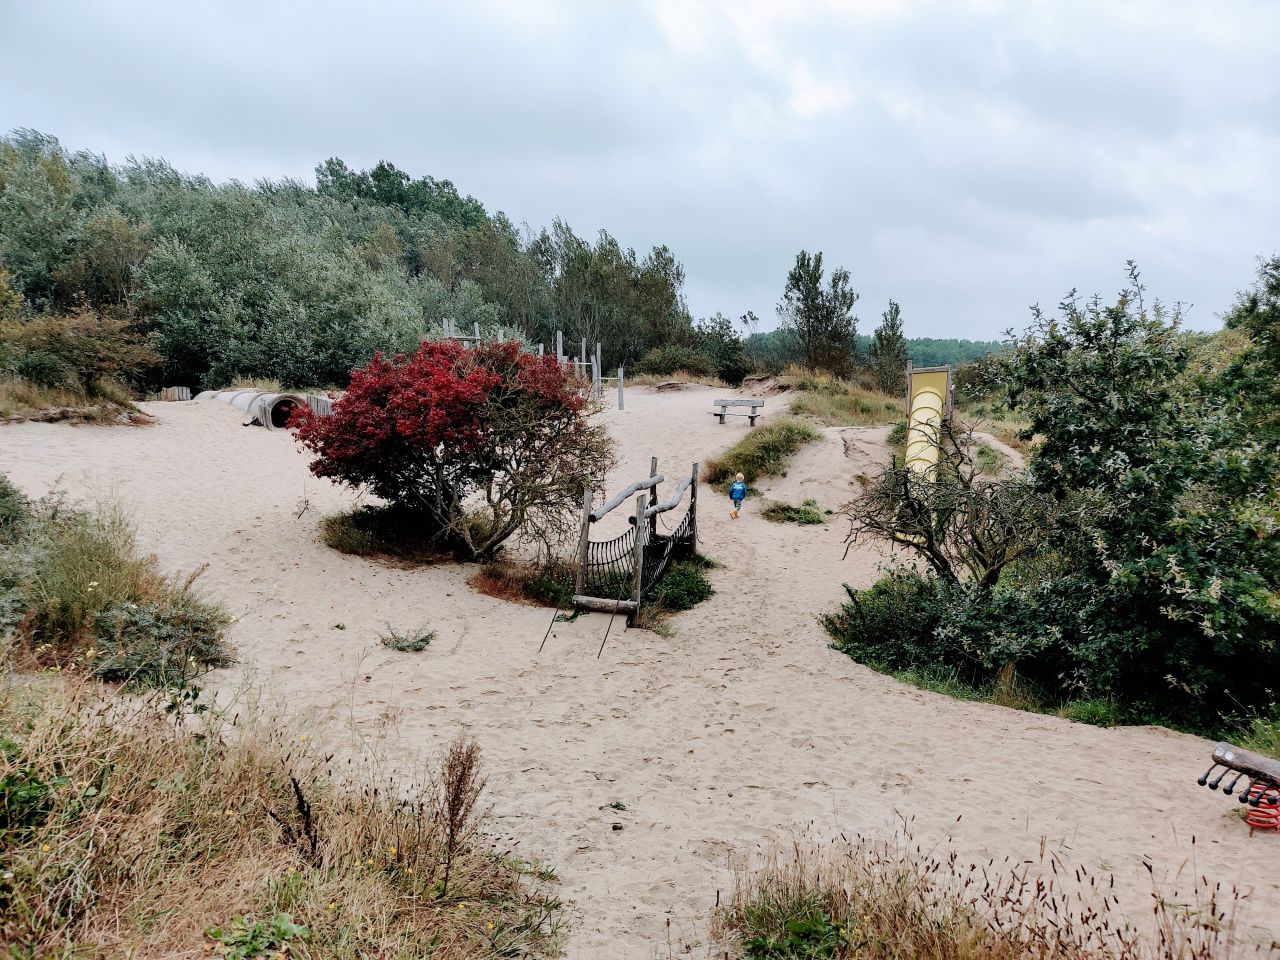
[820,318]
[888,352]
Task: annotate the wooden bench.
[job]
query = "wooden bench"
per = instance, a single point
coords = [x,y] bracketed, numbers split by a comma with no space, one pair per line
[724,406]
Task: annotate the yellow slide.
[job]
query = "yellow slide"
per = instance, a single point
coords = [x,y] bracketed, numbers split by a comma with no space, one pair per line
[928,406]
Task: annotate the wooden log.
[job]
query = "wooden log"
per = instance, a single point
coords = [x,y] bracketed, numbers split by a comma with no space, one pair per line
[671,504]
[601,605]
[1252,764]
[693,509]
[619,498]
[580,575]
[637,556]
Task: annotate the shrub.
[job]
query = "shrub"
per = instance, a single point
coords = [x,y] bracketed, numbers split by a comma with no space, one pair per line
[84,596]
[547,584]
[682,587]
[447,429]
[666,360]
[836,403]
[13,510]
[807,513]
[764,451]
[77,351]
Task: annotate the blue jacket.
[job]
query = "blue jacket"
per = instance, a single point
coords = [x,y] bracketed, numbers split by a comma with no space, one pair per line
[738,492]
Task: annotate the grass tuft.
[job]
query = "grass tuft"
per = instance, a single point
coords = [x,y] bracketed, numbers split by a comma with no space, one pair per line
[807,513]
[547,585]
[765,451]
[411,641]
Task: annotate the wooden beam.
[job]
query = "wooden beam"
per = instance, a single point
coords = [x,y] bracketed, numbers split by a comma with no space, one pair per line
[1254,765]
[619,498]
[602,605]
[672,503]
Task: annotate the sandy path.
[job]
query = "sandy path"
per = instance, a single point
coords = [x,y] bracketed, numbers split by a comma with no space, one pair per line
[738,730]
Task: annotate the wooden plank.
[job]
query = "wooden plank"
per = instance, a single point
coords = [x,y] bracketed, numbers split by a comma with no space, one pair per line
[602,605]
[738,403]
[1253,764]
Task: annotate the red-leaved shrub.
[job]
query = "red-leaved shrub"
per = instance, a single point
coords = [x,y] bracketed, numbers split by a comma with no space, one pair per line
[474,446]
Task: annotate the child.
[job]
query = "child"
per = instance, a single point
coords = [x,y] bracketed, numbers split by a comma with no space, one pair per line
[737,493]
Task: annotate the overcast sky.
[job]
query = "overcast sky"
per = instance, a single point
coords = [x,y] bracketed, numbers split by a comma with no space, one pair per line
[964,158]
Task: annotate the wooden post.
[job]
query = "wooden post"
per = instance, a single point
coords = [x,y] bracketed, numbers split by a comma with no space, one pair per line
[653,472]
[693,509]
[637,557]
[539,349]
[559,346]
[502,338]
[580,575]
[620,390]
[477,329]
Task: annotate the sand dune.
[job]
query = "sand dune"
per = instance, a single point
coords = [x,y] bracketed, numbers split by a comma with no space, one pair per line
[736,731]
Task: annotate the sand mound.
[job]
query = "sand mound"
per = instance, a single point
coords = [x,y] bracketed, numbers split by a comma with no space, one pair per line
[737,730]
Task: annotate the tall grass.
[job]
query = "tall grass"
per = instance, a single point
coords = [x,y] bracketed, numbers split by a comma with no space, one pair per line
[891,899]
[131,830]
[765,451]
[78,593]
[22,399]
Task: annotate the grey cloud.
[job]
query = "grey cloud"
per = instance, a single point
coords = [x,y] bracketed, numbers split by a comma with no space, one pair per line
[964,159]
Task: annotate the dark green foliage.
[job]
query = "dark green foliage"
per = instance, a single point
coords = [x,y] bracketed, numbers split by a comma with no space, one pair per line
[764,451]
[887,354]
[26,793]
[1152,586]
[682,587]
[722,345]
[13,510]
[820,318]
[807,938]
[777,348]
[551,586]
[300,285]
[666,360]
[807,513]
[162,643]
[245,938]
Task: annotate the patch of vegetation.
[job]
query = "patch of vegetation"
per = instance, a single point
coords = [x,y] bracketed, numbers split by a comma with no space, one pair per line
[410,641]
[546,584]
[666,360]
[807,513]
[1262,735]
[683,587]
[134,829]
[764,451]
[839,403]
[78,594]
[73,366]
[382,533]
[862,898]
[245,938]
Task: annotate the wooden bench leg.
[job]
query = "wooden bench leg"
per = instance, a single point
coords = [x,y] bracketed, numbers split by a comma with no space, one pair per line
[721,416]
[752,419]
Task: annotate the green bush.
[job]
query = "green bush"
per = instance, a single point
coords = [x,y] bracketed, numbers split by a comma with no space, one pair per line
[764,451]
[13,510]
[666,360]
[83,595]
[683,586]
[807,513]
[163,643]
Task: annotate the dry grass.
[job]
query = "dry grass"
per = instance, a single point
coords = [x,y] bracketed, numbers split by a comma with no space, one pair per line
[131,828]
[891,899]
[77,593]
[109,404]
[544,585]
[995,419]
[679,376]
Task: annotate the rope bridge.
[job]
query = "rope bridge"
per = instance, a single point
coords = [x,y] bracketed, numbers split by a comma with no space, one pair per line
[616,574]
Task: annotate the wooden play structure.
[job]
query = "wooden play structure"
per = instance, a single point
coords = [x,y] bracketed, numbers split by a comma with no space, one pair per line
[615,574]
[1261,793]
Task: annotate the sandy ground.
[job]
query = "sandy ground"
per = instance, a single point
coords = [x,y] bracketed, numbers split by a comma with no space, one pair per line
[738,731]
